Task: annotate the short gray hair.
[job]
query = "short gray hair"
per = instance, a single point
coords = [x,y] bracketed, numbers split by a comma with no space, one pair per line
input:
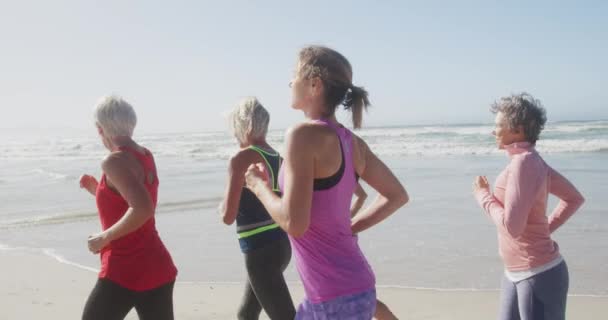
[249,118]
[522,110]
[115,116]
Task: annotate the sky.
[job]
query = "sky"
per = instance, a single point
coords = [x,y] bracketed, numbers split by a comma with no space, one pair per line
[182,64]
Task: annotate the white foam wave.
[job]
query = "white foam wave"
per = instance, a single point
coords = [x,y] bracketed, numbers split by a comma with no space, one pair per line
[162,208]
[59,258]
[574,145]
[52,175]
[48,220]
[576,127]
[50,253]
[482,130]
[430,140]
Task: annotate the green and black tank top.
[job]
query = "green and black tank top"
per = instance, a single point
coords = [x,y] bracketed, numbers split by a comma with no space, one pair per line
[254,225]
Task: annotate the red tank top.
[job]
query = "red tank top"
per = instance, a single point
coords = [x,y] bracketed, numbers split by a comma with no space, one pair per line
[138,261]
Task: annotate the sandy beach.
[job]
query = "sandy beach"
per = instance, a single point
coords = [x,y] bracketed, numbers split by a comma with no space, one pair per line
[35,286]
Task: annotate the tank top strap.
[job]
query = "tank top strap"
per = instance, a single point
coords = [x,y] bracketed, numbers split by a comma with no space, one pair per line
[344,135]
[273,163]
[147,162]
[340,130]
[145,157]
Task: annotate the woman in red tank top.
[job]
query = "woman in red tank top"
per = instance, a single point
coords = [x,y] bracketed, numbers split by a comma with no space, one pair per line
[136,269]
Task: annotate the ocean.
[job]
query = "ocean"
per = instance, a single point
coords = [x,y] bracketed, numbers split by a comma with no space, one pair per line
[440,240]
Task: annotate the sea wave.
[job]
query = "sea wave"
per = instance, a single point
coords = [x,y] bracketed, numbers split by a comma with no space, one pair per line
[61,259]
[69,217]
[590,136]
[53,175]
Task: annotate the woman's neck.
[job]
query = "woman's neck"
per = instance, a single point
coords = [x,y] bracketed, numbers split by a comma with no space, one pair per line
[260,143]
[317,115]
[121,141]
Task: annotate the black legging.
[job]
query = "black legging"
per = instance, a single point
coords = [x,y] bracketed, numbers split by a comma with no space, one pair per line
[266,287]
[109,301]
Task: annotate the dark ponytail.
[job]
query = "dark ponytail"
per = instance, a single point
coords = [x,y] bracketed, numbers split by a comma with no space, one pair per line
[356,100]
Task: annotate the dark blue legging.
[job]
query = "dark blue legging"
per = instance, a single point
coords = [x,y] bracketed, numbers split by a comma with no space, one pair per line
[541,297]
[266,288]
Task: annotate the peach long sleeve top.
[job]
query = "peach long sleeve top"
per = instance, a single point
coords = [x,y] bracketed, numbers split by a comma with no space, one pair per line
[518,205]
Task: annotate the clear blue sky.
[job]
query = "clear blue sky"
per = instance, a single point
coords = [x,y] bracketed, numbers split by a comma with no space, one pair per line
[182,63]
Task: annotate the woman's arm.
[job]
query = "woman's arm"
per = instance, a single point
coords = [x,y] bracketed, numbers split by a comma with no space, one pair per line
[360,195]
[89,183]
[236,179]
[526,175]
[391,194]
[119,171]
[570,199]
[292,211]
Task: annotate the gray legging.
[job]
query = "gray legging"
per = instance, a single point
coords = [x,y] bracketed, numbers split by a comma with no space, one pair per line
[541,297]
[266,287]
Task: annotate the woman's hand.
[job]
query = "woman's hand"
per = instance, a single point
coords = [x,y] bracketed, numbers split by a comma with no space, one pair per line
[481,183]
[255,176]
[98,241]
[88,183]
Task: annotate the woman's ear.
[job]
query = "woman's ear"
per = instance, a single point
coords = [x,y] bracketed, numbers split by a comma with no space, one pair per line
[316,86]
[518,130]
[248,134]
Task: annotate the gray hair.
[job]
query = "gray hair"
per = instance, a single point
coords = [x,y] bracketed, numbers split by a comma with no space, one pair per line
[522,110]
[249,119]
[115,116]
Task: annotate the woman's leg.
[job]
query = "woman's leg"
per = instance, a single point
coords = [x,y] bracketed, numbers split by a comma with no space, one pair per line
[265,267]
[108,301]
[250,306]
[383,312]
[508,309]
[543,296]
[156,304]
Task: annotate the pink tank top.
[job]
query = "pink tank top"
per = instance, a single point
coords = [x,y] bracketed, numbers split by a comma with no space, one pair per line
[328,257]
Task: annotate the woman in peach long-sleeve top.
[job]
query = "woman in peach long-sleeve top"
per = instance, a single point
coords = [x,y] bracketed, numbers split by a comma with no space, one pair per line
[535,284]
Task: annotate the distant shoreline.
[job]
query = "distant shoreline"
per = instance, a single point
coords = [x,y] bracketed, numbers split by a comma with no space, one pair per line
[91,132]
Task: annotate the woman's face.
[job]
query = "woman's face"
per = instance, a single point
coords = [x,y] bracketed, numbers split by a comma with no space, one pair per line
[300,90]
[104,139]
[505,135]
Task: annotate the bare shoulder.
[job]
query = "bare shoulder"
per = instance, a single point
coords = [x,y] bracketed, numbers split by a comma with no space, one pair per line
[117,161]
[242,159]
[359,145]
[311,135]
[307,130]
[360,153]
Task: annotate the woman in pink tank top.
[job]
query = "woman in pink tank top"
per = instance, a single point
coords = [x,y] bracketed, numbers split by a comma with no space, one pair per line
[323,161]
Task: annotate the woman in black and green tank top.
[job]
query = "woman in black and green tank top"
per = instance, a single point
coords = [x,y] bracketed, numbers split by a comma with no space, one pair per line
[265,246]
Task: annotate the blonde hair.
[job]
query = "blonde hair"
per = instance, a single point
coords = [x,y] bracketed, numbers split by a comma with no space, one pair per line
[249,119]
[115,116]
